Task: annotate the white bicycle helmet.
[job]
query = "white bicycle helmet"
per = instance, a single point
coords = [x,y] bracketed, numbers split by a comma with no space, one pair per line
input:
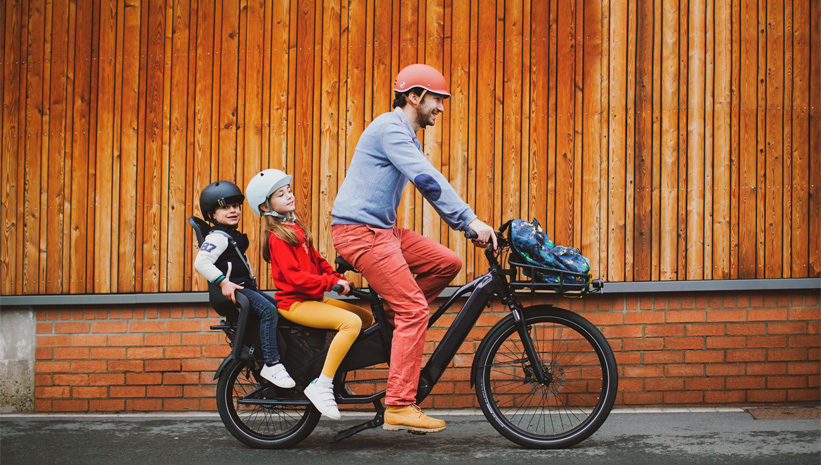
[263,185]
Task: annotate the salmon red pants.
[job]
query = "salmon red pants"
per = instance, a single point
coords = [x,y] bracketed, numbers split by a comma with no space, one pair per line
[389,259]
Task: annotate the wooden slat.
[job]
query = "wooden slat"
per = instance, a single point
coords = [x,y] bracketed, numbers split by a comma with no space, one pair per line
[565,122]
[45,123]
[591,212]
[800,153]
[152,179]
[815,142]
[578,111]
[617,125]
[747,135]
[57,147]
[722,147]
[129,136]
[774,135]
[643,227]
[735,141]
[315,115]
[328,153]
[630,144]
[540,105]
[177,172]
[785,222]
[669,146]
[549,222]
[203,113]
[92,281]
[103,242]
[761,142]
[486,98]
[604,205]
[34,61]
[526,185]
[227,36]
[435,139]
[708,141]
[512,125]
[80,149]
[683,57]
[10,260]
[657,111]
[169,194]
[117,146]
[695,141]
[498,115]
[458,131]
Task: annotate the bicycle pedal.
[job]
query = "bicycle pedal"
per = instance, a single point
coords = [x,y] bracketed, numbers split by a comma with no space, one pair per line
[418,433]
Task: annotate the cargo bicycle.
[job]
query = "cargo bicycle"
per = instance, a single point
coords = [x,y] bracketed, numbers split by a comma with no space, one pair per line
[544,377]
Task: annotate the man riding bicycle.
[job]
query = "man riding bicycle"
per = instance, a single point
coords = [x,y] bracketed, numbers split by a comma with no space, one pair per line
[387,156]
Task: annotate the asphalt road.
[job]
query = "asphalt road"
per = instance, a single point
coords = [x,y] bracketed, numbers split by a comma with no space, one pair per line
[714,436]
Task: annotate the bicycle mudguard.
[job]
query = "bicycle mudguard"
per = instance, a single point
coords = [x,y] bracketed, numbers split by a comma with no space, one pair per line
[224,364]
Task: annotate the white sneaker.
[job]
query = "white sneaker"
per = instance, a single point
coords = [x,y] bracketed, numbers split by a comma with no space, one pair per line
[323,399]
[278,375]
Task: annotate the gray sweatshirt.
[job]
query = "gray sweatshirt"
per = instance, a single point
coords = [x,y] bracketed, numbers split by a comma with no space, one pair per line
[387,156]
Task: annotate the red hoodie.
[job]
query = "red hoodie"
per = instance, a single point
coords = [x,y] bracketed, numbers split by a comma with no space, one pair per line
[299,273]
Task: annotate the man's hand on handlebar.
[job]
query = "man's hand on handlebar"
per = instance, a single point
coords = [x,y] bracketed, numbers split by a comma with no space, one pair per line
[485,234]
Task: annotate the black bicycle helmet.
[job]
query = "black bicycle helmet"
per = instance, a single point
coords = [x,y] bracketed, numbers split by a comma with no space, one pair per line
[219,194]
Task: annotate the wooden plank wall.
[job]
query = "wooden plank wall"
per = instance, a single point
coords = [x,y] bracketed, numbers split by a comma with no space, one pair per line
[668,139]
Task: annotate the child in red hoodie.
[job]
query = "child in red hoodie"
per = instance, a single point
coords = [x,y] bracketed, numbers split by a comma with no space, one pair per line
[302,278]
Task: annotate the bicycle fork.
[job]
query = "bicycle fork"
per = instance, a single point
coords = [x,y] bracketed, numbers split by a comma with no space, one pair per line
[524,335]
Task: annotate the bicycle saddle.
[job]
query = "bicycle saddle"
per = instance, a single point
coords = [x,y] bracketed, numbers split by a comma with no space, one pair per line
[343,266]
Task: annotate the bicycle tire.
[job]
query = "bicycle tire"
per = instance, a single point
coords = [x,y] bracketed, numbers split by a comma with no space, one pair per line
[260,425]
[576,399]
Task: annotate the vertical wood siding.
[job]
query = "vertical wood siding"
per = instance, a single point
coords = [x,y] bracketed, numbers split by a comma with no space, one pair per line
[667,139]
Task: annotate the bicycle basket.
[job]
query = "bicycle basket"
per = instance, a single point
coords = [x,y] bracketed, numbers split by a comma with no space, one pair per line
[537,263]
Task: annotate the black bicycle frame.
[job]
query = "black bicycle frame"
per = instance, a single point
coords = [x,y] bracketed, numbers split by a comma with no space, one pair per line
[481,290]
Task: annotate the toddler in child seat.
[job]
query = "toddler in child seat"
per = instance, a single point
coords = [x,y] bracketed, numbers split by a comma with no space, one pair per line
[221,260]
[302,277]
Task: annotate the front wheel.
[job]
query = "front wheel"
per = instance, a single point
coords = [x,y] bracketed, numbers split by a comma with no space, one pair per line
[260,414]
[580,386]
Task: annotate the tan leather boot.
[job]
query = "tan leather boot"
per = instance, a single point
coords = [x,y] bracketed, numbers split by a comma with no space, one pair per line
[411,418]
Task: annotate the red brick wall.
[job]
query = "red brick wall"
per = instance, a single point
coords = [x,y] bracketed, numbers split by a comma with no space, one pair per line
[672,349]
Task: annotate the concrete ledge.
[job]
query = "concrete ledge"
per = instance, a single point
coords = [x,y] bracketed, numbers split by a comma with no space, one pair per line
[609,288]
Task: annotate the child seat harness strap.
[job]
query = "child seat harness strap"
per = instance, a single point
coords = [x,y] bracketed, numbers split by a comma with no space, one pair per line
[239,252]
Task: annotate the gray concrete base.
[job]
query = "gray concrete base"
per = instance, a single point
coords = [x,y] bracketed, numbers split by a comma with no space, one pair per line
[17,332]
[731,437]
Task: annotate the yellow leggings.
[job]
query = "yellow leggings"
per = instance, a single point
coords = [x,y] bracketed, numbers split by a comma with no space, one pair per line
[343,317]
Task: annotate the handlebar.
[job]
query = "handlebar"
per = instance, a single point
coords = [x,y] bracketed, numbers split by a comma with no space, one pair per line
[338,288]
[471,234]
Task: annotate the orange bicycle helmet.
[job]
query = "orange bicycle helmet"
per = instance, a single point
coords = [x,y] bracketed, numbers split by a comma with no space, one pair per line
[421,75]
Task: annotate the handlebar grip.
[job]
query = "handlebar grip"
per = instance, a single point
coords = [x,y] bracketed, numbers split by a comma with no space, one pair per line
[338,288]
[471,234]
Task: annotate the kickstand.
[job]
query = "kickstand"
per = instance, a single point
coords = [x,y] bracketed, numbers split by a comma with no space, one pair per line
[377,421]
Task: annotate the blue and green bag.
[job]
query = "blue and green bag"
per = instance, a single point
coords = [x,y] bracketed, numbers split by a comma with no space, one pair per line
[531,244]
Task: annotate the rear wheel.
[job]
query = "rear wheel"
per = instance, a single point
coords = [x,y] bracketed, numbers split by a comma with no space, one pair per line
[260,414]
[577,395]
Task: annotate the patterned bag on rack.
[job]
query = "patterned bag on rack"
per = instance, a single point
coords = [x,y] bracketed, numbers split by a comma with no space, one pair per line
[530,242]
